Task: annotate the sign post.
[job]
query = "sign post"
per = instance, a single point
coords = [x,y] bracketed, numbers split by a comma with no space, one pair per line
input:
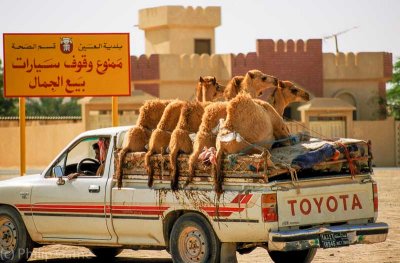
[65,65]
[115,119]
[22,136]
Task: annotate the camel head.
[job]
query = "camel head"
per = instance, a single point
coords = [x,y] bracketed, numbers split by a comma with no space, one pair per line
[208,89]
[256,82]
[283,94]
[291,93]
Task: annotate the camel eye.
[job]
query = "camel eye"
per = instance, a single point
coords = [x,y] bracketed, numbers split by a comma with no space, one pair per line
[264,78]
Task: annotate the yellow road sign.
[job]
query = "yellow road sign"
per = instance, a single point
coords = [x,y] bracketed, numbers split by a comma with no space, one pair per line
[66,65]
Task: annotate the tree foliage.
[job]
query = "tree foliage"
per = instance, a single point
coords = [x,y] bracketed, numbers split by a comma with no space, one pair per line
[393,94]
[7,106]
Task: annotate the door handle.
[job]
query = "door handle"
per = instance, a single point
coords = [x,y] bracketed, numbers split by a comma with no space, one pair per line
[94,188]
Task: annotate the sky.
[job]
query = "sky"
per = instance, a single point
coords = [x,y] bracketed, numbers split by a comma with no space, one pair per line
[377,21]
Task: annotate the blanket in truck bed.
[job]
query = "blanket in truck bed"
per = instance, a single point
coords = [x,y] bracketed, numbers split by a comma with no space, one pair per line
[349,156]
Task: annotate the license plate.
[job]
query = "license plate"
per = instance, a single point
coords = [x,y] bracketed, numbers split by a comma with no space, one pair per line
[329,240]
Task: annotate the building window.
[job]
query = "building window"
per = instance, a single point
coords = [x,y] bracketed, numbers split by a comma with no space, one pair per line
[202,46]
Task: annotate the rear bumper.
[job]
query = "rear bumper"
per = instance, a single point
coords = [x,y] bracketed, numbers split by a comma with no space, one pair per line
[309,238]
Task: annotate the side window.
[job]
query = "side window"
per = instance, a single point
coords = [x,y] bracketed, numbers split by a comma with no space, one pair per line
[61,163]
[86,157]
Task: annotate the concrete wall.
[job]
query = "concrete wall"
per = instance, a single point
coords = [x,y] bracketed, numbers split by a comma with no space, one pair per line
[382,136]
[363,75]
[44,142]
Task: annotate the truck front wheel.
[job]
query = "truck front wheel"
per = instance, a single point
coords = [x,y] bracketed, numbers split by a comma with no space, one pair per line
[300,256]
[15,243]
[193,240]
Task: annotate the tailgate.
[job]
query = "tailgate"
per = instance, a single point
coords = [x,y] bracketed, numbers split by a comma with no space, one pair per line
[325,204]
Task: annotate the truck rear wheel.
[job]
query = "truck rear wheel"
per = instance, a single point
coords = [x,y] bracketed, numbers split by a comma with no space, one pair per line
[193,240]
[300,256]
[15,243]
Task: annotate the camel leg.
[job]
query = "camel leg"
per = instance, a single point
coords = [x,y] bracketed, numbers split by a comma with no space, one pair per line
[173,168]
[192,164]
[119,169]
[148,167]
[218,179]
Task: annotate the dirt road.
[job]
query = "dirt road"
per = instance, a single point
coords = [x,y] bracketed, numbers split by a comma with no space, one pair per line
[389,251]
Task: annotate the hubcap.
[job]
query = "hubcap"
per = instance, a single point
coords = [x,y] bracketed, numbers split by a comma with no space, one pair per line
[8,235]
[192,245]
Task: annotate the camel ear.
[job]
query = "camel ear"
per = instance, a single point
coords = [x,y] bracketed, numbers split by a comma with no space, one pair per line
[282,84]
[201,79]
[214,81]
[251,74]
[238,81]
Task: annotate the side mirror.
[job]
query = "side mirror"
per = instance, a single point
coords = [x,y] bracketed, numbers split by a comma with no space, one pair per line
[57,170]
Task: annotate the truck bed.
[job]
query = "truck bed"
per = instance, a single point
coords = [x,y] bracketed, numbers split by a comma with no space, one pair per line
[261,168]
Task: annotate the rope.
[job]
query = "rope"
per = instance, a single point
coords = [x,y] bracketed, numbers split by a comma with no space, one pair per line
[321,136]
[293,139]
[350,160]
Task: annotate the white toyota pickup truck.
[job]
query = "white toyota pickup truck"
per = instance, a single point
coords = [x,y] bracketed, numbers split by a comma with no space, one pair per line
[290,220]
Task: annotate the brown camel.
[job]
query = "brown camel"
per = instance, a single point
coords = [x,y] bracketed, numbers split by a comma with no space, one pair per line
[251,125]
[138,136]
[181,142]
[161,136]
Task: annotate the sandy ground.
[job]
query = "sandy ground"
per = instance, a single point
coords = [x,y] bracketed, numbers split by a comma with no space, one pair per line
[389,251]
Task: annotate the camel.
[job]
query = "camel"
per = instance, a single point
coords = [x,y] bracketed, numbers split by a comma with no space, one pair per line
[188,123]
[208,89]
[150,114]
[137,137]
[207,133]
[279,97]
[254,83]
[251,126]
[161,136]
[284,94]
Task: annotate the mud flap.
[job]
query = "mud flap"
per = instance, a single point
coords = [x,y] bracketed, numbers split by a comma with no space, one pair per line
[228,253]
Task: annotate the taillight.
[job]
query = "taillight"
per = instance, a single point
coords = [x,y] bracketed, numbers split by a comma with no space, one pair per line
[268,207]
[375,192]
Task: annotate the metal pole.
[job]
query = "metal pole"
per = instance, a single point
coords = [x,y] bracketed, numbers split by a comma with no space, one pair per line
[337,47]
[115,120]
[22,136]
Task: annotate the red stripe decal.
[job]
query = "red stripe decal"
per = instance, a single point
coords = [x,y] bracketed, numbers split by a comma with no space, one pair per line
[238,198]
[22,206]
[94,209]
[246,199]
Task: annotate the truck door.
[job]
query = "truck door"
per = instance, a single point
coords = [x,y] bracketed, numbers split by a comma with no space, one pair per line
[75,209]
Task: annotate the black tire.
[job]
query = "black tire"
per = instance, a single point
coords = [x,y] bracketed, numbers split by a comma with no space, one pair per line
[15,243]
[300,256]
[106,252]
[193,229]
